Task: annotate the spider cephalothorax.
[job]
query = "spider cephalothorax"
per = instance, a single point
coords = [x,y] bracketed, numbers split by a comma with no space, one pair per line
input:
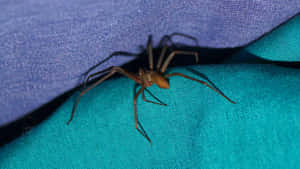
[145,78]
[149,77]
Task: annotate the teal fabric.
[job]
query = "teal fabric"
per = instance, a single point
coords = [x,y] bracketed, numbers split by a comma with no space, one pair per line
[282,44]
[198,128]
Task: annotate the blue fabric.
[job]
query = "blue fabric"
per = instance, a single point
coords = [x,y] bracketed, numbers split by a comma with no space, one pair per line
[282,44]
[45,46]
[198,128]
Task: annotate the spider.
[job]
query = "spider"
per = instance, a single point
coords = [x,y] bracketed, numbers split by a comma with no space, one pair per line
[146,78]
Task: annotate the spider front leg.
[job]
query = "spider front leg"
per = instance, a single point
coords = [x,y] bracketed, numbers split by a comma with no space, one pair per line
[202,82]
[112,70]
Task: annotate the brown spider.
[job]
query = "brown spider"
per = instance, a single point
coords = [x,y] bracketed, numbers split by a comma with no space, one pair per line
[146,78]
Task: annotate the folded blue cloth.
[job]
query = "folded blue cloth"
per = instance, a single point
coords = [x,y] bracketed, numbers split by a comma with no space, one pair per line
[198,128]
[282,44]
[46,46]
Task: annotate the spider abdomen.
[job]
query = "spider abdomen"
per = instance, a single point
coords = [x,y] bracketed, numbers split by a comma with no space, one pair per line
[160,81]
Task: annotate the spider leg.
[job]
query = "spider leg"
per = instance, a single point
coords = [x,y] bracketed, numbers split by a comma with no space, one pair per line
[162,54]
[149,101]
[93,75]
[152,95]
[136,116]
[170,57]
[184,35]
[150,53]
[142,129]
[118,53]
[112,70]
[202,82]
[168,38]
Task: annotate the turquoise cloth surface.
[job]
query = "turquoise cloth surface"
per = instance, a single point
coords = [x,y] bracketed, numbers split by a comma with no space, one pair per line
[282,44]
[198,128]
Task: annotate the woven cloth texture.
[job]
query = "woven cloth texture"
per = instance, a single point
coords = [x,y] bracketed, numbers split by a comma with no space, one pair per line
[198,128]
[282,44]
[45,46]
